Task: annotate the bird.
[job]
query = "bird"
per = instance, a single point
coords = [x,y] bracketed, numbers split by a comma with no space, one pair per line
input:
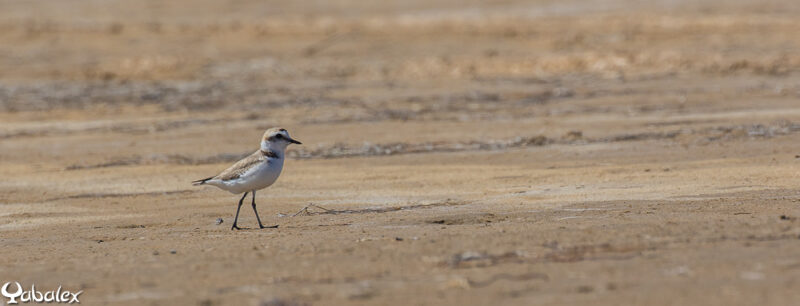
[254,172]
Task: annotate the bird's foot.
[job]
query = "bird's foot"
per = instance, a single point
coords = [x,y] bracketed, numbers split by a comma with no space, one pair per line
[234,227]
[261,226]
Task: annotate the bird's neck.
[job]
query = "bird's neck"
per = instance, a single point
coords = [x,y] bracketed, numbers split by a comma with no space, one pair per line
[271,150]
[271,154]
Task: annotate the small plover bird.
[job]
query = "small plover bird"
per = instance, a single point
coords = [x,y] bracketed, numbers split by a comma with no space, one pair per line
[257,171]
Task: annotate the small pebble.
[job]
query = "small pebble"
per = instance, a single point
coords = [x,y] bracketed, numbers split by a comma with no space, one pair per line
[173,251]
[219,221]
[155,252]
[398,238]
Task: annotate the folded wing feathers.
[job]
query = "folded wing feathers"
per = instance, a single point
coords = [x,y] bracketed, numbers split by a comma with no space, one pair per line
[201,182]
[236,170]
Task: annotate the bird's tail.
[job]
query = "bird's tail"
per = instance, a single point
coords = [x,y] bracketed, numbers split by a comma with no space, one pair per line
[201,182]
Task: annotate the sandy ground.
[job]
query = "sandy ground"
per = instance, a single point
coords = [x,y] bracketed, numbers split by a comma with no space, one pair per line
[467,153]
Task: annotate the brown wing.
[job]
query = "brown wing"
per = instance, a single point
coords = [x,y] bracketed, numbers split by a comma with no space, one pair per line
[240,167]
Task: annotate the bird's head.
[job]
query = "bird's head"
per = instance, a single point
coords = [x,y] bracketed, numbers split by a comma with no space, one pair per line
[277,139]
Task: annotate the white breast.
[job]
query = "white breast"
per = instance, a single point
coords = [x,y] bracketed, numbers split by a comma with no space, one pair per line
[258,177]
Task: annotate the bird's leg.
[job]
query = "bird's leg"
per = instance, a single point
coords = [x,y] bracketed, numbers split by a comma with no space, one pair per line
[237,212]
[255,211]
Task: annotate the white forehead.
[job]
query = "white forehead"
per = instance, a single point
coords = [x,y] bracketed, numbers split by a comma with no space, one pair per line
[278,132]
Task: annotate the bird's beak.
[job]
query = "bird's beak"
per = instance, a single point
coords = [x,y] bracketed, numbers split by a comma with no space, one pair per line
[294,141]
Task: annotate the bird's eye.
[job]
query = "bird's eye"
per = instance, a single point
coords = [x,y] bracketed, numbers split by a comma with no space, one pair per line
[279,136]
